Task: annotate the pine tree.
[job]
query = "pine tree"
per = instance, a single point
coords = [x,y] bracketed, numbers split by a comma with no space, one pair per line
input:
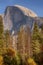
[36,39]
[41,39]
[1,26]
[1,35]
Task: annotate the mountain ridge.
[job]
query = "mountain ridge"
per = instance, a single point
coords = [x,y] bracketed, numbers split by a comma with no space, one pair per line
[32,14]
[16,16]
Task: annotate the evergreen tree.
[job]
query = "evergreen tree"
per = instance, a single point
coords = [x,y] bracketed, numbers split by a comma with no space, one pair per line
[1,27]
[36,39]
[41,39]
[1,35]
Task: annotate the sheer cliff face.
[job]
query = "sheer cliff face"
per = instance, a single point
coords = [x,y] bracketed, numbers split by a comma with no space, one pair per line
[16,16]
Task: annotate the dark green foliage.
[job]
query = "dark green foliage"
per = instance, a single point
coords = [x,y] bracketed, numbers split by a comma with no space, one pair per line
[41,39]
[39,59]
[37,44]
[36,39]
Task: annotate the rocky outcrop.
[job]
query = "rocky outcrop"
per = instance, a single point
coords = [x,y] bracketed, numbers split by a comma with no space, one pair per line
[16,16]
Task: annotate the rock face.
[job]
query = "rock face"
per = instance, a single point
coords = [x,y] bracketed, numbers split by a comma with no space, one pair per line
[16,16]
[26,11]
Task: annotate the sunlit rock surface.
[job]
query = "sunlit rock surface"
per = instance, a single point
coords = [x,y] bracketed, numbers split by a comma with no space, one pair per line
[16,16]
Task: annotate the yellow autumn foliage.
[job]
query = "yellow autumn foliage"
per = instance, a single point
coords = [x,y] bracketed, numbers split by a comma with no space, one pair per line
[31,61]
[1,60]
[11,52]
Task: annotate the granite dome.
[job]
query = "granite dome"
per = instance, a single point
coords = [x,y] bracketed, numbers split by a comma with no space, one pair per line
[27,11]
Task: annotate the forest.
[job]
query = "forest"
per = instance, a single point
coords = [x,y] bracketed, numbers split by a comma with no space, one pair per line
[9,56]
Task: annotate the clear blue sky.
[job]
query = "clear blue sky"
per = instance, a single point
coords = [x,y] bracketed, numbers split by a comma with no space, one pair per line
[35,5]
